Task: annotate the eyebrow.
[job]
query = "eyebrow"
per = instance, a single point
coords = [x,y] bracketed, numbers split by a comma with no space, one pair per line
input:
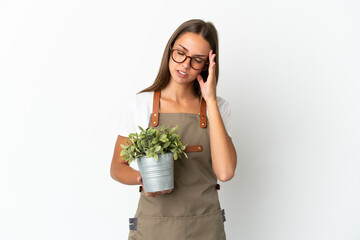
[188,50]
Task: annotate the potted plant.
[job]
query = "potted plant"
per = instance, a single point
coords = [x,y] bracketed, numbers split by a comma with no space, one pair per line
[155,151]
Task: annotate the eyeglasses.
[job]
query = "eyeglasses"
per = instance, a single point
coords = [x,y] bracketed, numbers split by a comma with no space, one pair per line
[179,56]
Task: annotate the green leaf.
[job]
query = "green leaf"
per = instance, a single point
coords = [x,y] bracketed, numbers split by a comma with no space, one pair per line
[124,146]
[156,157]
[144,143]
[175,156]
[166,144]
[151,131]
[157,149]
[131,135]
[123,152]
[163,138]
[174,129]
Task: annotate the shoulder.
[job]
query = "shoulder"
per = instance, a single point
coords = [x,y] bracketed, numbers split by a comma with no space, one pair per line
[224,107]
[144,96]
[144,101]
[221,100]
[225,112]
[143,108]
[223,104]
[135,111]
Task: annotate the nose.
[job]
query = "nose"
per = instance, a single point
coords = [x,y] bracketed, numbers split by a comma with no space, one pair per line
[186,63]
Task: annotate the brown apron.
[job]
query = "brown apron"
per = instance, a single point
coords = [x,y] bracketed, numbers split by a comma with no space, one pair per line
[192,209]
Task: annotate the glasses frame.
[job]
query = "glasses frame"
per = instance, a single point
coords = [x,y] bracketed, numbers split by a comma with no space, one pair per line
[191,58]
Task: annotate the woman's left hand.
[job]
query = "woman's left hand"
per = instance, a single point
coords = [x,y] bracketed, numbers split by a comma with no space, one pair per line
[208,88]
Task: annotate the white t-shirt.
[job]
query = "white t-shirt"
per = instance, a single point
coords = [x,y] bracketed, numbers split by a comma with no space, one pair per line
[138,112]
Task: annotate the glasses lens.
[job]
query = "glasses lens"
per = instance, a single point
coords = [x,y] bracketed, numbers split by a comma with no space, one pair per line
[197,63]
[178,56]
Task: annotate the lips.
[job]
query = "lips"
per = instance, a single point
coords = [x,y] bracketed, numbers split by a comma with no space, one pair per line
[181,73]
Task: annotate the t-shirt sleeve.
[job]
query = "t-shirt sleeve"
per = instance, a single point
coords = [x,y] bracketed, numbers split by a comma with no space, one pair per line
[127,119]
[225,112]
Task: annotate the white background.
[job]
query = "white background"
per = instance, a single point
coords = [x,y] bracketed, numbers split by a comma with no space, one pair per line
[290,70]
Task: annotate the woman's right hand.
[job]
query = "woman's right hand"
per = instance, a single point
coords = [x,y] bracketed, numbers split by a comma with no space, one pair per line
[152,194]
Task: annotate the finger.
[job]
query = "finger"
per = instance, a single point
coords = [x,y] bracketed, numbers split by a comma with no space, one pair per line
[155,194]
[163,192]
[200,80]
[151,194]
[211,56]
[212,68]
[139,179]
[212,63]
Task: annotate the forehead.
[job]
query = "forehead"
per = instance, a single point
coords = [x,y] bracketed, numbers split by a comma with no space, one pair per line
[194,43]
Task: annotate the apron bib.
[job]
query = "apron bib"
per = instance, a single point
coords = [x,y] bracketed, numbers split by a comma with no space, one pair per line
[192,209]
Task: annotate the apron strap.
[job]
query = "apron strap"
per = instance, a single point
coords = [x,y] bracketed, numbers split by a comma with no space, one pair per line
[156,108]
[203,114]
[193,148]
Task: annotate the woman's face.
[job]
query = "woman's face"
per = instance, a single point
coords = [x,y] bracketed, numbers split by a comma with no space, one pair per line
[193,45]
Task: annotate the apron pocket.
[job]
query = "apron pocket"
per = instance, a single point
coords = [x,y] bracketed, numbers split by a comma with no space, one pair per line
[208,226]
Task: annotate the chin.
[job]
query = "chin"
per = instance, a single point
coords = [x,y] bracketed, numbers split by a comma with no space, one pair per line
[182,80]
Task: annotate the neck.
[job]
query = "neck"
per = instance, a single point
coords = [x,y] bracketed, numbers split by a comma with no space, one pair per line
[178,92]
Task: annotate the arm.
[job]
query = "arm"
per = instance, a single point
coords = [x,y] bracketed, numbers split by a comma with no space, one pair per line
[120,169]
[122,172]
[223,153]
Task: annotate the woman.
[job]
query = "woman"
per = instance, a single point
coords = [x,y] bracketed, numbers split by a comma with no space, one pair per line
[184,93]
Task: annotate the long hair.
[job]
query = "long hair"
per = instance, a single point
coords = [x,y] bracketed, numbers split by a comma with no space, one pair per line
[208,31]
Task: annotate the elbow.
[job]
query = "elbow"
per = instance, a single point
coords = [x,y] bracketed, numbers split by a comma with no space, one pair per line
[227,173]
[113,173]
[226,177]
